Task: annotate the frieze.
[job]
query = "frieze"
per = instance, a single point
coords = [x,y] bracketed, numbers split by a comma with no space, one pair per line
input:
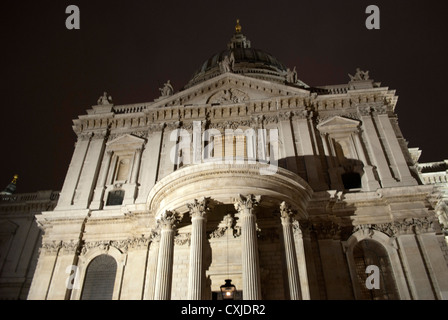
[70,247]
[51,247]
[415,225]
[327,230]
[182,239]
[103,245]
[230,124]
[85,136]
[393,229]
[366,109]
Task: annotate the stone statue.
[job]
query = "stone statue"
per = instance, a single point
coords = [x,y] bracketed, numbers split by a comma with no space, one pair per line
[225,64]
[291,75]
[442,216]
[104,99]
[167,89]
[232,61]
[359,75]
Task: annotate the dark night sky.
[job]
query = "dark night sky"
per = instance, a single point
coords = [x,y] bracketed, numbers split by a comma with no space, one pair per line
[50,75]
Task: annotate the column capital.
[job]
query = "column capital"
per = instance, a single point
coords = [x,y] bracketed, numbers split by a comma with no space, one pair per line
[168,219]
[286,213]
[246,203]
[199,208]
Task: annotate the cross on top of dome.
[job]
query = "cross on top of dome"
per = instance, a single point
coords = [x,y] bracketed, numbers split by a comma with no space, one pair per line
[238,26]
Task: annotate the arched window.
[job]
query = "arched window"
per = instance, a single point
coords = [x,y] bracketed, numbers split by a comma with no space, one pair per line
[100,278]
[370,252]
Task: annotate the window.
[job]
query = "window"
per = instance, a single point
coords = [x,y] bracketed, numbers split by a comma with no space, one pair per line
[115,198]
[351,180]
[100,278]
[230,146]
[370,252]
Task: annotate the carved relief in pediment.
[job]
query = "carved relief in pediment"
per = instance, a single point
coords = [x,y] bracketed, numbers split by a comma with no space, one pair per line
[228,96]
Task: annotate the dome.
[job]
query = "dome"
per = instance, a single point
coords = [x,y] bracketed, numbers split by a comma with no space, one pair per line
[241,58]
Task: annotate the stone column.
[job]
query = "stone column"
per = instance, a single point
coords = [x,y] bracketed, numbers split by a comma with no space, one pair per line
[136,165]
[251,268]
[198,212]
[167,223]
[286,215]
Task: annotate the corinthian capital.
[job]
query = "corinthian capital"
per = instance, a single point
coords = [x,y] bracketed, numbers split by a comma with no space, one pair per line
[168,219]
[286,213]
[246,203]
[199,208]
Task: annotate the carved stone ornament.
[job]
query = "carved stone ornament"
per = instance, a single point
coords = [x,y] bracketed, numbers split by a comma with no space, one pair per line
[168,219]
[415,225]
[105,99]
[393,229]
[182,239]
[70,247]
[244,203]
[359,75]
[286,213]
[167,89]
[102,245]
[199,207]
[51,247]
[228,96]
[227,223]
[327,230]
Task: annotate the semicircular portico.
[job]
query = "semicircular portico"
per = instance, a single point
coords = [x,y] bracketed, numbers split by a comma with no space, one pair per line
[223,183]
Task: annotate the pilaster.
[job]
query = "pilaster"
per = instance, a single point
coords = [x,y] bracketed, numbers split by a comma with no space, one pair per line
[286,215]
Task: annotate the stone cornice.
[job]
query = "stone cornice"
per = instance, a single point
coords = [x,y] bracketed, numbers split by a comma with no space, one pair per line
[353,105]
[175,192]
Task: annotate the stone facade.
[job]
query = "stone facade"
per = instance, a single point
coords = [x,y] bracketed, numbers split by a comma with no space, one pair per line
[312,187]
[20,240]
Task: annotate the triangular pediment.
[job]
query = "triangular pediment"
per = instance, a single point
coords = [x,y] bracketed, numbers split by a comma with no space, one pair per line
[126,141]
[337,123]
[229,88]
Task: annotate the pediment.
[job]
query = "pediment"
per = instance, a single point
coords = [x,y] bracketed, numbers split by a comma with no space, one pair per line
[229,88]
[125,142]
[338,123]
